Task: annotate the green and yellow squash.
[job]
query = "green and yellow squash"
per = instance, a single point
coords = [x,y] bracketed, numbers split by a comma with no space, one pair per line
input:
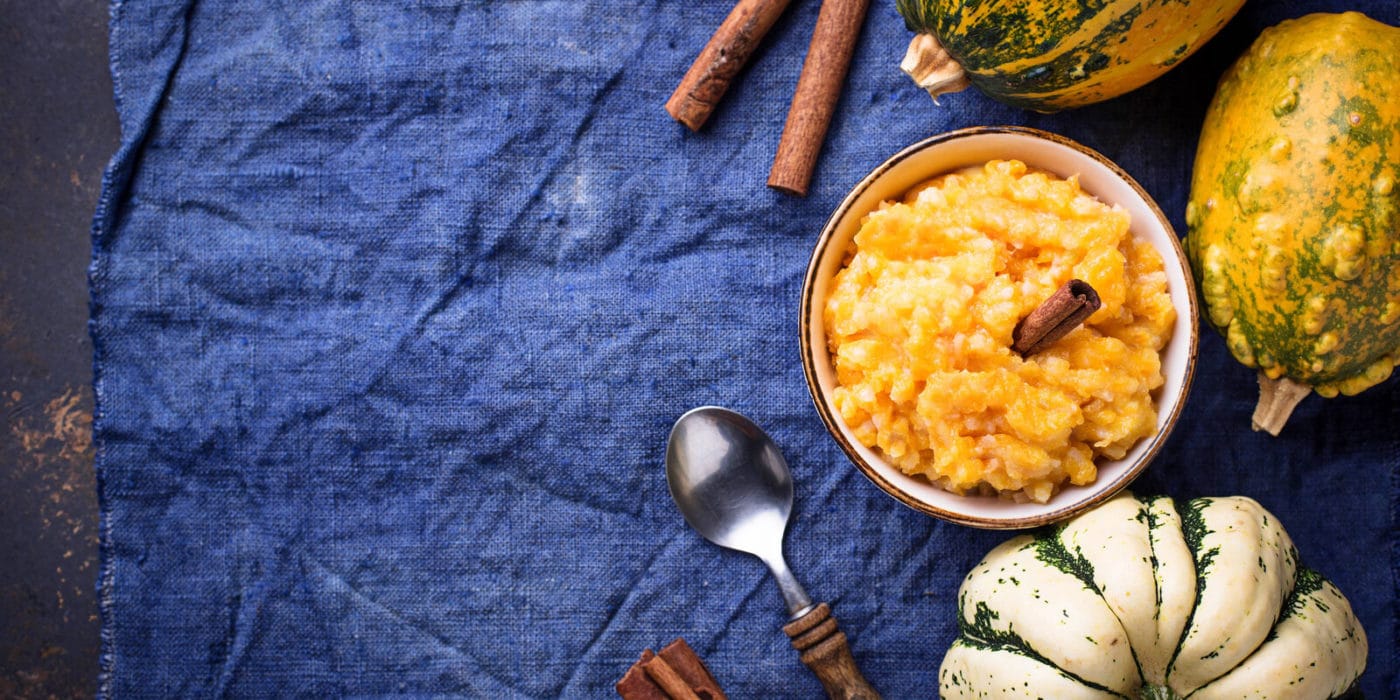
[1294,214]
[1049,55]
[1153,599]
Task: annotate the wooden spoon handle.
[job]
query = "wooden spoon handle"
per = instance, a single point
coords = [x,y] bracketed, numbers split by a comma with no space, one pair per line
[825,651]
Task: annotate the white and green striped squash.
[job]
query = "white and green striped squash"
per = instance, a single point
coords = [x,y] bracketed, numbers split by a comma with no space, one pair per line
[1144,598]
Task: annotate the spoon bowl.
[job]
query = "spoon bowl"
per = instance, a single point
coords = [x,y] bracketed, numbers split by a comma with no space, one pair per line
[729,480]
[733,486]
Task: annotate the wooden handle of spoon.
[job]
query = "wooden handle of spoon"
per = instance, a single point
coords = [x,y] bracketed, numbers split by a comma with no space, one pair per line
[825,651]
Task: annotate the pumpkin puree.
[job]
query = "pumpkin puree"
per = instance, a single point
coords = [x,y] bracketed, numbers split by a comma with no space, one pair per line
[919,325]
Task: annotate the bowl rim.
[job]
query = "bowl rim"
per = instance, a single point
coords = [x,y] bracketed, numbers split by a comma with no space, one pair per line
[833,423]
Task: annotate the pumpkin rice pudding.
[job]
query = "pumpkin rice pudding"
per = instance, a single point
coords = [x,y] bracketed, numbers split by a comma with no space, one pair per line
[919,324]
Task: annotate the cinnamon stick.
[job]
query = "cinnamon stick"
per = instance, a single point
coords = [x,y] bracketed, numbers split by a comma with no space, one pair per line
[671,682]
[818,89]
[722,59]
[1070,306]
[676,673]
[635,684]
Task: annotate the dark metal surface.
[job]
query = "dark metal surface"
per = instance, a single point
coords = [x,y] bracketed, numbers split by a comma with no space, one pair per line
[57,130]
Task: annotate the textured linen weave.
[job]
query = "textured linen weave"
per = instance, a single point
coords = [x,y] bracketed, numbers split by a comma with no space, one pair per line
[395,302]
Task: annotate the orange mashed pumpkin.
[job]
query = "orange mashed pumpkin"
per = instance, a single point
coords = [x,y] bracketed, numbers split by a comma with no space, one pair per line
[919,324]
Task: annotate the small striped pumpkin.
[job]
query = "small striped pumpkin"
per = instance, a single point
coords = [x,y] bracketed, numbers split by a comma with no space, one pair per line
[1049,55]
[1154,599]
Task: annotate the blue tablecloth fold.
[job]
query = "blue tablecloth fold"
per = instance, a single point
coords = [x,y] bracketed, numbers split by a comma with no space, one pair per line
[394,305]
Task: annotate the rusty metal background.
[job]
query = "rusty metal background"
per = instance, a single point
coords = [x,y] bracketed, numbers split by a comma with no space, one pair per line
[57,129]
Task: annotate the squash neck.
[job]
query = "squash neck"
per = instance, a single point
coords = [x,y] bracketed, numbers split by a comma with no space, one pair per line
[1277,399]
[932,67]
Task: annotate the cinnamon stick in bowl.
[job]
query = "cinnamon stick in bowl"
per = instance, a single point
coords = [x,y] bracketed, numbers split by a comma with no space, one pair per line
[1068,308]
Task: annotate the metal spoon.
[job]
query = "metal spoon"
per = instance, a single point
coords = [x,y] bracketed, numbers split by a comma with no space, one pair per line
[733,486]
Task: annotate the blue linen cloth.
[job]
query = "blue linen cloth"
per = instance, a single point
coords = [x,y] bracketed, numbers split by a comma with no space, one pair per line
[394,305]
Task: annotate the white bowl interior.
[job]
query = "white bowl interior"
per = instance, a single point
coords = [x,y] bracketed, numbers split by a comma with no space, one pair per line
[927,160]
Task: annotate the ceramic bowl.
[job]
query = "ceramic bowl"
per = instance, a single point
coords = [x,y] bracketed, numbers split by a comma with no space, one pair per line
[1039,150]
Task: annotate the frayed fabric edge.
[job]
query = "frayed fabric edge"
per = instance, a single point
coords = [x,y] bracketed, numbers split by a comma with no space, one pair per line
[116,179]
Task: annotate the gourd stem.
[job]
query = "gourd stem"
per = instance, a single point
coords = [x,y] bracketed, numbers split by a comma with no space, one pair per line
[1157,692]
[932,67]
[1277,399]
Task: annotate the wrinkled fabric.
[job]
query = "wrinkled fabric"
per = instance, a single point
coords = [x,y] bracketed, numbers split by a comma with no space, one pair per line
[395,303]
